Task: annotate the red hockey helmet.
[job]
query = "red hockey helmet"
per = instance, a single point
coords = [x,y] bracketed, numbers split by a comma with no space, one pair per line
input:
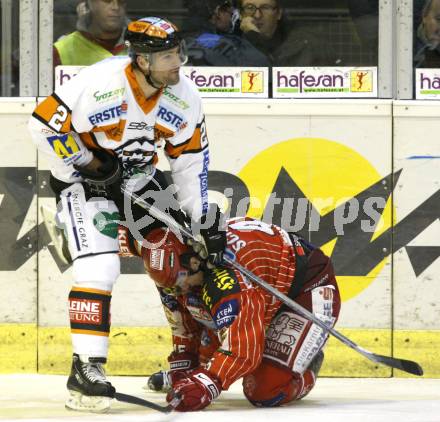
[161,254]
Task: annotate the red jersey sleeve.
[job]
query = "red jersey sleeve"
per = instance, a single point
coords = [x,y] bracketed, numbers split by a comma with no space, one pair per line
[185,330]
[243,341]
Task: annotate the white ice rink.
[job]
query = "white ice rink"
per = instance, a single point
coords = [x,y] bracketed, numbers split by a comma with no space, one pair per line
[41,398]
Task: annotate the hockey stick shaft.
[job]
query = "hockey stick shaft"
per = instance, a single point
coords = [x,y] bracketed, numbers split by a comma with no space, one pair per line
[402,364]
[127,398]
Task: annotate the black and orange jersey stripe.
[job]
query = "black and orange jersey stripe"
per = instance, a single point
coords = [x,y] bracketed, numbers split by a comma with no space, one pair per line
[190,146]
[55,114]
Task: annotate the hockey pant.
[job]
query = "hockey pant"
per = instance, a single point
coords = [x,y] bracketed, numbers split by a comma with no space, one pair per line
[293,341]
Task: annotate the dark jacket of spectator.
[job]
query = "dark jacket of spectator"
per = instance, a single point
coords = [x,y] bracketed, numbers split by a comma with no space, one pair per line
[211,49]
[209,45]
[292,46]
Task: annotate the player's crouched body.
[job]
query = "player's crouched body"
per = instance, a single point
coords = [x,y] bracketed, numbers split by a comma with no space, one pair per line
[225,328]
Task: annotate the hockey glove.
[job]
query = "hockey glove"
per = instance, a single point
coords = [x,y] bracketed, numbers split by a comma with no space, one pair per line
[106,180]
[183,361]
[197,390]
[212,236]
[179,364]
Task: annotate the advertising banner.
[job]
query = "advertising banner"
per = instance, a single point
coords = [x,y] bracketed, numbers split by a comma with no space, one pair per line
[229,82]
[324,82]
[63,74]
[19,232]
[417,205]
[416,307]
[18,210]
[427,84]
[320,175]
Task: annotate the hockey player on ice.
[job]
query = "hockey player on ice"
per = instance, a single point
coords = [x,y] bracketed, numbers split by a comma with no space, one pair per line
[225,328]
[97,131]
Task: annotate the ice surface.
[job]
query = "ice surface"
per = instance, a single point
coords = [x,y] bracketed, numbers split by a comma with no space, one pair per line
[41,398]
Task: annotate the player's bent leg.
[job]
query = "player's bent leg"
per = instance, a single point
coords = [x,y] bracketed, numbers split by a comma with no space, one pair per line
[89,310]
[271,385]
[293,354]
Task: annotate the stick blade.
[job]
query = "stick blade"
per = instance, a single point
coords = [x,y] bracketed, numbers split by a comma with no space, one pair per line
[404,365]
[127,398]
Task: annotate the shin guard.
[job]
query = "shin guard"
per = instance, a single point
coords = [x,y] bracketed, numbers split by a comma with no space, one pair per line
[89,312]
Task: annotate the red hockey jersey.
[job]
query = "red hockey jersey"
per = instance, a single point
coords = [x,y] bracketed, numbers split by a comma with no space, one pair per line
[230,306]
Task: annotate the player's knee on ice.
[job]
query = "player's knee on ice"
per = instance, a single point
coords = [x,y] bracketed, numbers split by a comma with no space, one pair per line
[270,386]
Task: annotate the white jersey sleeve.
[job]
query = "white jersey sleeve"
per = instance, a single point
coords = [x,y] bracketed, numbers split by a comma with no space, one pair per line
[53,130]
[187,148]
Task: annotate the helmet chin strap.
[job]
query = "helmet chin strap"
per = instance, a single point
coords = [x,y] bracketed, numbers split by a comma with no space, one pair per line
[150,81]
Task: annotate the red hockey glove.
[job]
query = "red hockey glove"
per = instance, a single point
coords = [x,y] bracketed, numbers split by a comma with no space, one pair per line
[197,390]
[183,361]
[180,364]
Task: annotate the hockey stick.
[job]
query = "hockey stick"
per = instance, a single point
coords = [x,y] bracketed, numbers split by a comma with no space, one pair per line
[127,398]
[402,364]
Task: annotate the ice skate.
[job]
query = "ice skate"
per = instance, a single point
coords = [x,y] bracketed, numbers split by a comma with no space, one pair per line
[88,387]
[316,363]
[311,373]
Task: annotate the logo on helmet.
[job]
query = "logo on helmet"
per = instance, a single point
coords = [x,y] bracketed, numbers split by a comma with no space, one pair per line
[162,261]
[151,34]
[156,259]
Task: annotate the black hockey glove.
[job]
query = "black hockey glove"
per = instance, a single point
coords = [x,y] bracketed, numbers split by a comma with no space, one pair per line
[106,181]
[180,363]
[212,229]
[159,381]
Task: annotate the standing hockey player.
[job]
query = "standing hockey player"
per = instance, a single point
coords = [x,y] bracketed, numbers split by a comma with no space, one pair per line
[225,328]
[102,130]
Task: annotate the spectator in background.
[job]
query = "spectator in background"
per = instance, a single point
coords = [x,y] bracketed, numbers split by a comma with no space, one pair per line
[210,41]
[208,15]
[427,43]
[263,25]
[99,34]
[365,17]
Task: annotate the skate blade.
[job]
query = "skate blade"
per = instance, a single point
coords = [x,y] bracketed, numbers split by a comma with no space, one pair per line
[81,403]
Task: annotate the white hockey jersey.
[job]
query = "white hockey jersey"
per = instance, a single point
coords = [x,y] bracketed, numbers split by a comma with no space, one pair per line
[104,107]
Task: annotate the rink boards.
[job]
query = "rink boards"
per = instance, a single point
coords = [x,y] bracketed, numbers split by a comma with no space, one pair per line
[366,173]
